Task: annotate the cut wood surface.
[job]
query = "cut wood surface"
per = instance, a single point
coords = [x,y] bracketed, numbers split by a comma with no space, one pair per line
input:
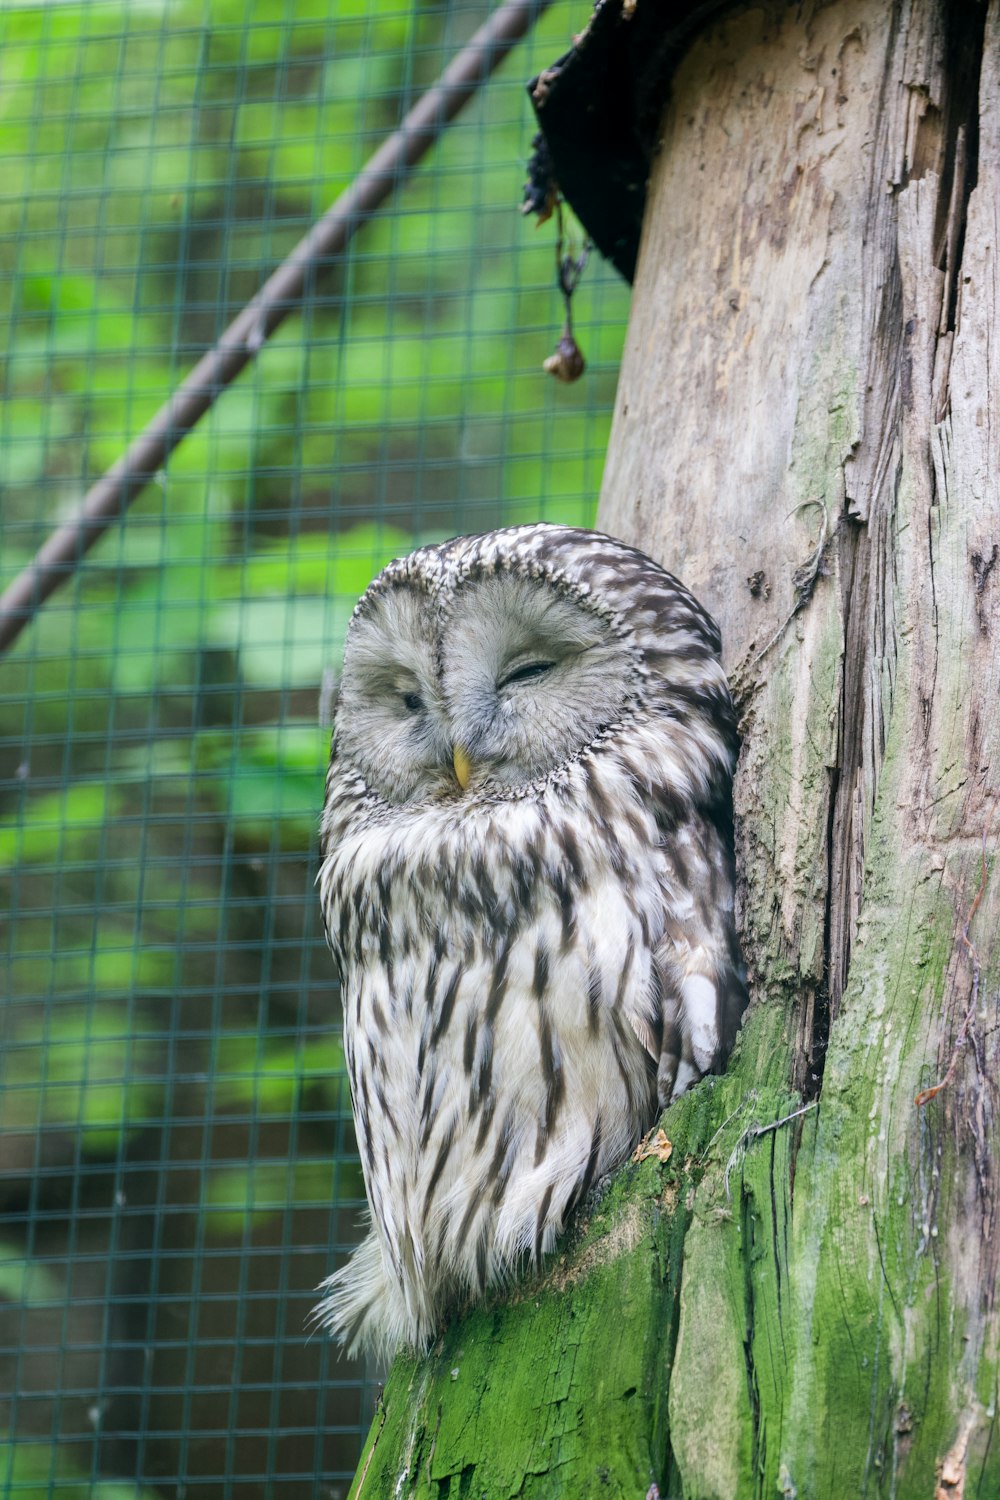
[801,1300]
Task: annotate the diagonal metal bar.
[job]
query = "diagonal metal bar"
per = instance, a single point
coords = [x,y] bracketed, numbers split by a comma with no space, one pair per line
[108,500]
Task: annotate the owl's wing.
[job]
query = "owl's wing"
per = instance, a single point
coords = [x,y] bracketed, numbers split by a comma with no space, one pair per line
[691,1013]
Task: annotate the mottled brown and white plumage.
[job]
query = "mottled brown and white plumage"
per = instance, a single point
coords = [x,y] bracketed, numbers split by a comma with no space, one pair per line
[527,883]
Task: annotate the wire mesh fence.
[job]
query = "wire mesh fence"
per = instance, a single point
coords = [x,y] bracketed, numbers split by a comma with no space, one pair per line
[177,1164]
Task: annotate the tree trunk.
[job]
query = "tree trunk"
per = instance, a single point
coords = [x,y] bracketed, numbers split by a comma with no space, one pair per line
[802,1299]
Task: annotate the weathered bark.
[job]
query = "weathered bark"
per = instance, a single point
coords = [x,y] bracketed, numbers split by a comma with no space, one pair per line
[807,1308]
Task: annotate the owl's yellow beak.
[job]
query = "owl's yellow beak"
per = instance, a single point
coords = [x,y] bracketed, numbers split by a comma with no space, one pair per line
[463,766]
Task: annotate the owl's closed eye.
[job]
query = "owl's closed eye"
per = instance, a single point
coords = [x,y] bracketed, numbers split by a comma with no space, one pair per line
[527,884]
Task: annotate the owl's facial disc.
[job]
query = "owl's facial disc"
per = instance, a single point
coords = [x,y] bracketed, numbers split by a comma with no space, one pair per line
[493,683]
[529,675]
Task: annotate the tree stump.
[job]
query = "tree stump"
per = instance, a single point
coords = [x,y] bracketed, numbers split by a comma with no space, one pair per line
[801,1300]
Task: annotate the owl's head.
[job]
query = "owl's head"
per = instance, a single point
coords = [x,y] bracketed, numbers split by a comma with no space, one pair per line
[483,665]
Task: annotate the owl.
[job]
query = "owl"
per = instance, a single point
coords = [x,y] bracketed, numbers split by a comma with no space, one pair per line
[527,886]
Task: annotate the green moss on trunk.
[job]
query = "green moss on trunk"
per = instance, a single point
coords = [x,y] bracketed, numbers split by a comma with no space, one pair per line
[564,1386]
[565,1382]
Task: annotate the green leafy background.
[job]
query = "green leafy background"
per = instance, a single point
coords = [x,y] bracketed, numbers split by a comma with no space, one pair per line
[178,1162]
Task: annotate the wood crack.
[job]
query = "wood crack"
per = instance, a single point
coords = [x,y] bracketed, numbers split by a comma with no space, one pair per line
[936,141]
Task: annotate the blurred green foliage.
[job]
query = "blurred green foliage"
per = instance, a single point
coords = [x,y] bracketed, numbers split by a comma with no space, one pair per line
[87,1070]
[161,756]
[35,1473]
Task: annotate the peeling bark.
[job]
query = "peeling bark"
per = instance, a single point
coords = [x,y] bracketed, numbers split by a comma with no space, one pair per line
[802,1301]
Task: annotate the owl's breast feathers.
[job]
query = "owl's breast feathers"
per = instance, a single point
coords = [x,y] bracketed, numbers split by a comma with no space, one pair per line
[520,982]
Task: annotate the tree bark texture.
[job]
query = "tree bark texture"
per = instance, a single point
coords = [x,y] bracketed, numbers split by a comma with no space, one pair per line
[802,1299]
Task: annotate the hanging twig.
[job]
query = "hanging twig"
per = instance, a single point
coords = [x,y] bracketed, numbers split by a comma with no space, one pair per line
[108,500]
[567,363]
